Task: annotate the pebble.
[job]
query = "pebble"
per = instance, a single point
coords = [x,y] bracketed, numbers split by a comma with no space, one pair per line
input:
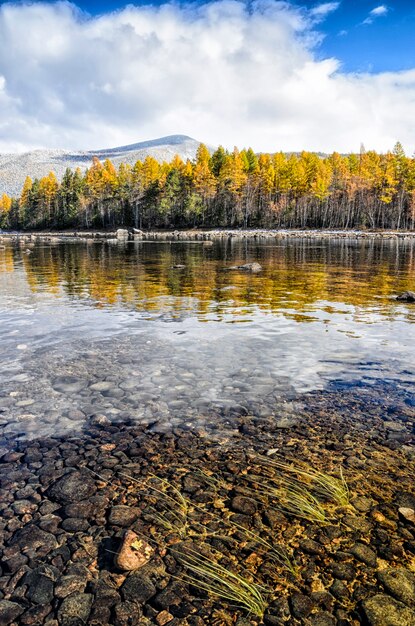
[66,585]
[133,553]
[123,516]
[400,583]
[102,386]
[9,612]
[72,487]
[75,609]
[407,513]
[138,588]
[164,617]
[301,605]
[363,553]
[382,610]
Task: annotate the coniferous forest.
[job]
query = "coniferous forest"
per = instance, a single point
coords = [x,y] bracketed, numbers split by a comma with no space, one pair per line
[238,189]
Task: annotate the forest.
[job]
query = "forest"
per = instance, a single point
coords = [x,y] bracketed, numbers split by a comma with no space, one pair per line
[232,189]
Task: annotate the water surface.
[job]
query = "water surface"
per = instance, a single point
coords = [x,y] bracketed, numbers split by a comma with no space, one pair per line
[117,329]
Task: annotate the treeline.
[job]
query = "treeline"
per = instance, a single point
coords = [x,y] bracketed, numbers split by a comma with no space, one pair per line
[224,189]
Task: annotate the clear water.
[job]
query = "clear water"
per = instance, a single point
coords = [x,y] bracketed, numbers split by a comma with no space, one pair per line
[115,329]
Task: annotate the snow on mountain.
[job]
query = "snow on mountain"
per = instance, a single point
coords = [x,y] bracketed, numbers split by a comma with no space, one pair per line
[15,167]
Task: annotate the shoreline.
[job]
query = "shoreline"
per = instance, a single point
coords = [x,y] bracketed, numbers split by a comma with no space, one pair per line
[199,235]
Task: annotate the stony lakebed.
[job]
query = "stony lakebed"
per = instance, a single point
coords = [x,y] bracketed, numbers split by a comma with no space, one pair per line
[183,456]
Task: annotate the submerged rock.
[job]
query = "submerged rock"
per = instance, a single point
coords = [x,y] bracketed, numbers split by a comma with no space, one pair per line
[133,553]
[246,267]
[400,583]
[9,612]
[406,296]
[72,487]
[75,609]
[382,610]
[407,514]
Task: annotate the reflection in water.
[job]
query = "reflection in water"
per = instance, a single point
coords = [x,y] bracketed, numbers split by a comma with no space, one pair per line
[76,338]
[296,274]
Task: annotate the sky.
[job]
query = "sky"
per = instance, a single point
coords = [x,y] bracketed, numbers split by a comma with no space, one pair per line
[271,74]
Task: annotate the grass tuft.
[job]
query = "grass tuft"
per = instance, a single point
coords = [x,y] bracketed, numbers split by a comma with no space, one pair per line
[331,488]
[204,573]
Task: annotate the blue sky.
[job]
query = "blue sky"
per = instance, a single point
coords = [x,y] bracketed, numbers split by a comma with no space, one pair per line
[379,42]
[273,75]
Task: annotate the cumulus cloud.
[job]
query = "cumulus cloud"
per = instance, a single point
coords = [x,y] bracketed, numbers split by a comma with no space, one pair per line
[225,72]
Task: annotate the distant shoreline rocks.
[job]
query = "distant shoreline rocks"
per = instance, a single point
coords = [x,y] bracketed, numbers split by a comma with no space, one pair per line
[125,235]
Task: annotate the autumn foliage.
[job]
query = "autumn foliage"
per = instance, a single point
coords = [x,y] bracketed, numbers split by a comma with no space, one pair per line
[225,189]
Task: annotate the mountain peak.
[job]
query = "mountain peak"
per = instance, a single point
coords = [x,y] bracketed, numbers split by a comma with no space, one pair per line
[170,140]
[38,163]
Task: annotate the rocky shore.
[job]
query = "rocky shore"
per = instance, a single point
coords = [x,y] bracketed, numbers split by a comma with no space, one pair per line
[195,235]
[105,526]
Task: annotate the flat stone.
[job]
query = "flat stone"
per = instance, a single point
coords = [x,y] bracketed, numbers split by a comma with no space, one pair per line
[123,515]
[382,610]
[75,609]
[34,541]
[400,583]
[407,514]
[138,588]
[134,552]
[102,386]
[363,553]
[301,605]
[67,585]
[164,617]
[244,505]
[40,589]
[72,487]
[68,384]
[9,612]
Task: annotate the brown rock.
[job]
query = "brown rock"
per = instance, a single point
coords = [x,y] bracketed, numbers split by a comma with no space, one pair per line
[134,552]
[407,514]
[163,618]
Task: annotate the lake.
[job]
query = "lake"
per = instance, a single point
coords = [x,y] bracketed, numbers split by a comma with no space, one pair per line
[115,328]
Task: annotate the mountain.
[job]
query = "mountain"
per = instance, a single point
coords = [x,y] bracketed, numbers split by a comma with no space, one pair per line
[15,167]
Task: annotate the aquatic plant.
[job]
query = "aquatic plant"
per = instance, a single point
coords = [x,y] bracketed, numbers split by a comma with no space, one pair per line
[288,496]
[207,574]
[330,488]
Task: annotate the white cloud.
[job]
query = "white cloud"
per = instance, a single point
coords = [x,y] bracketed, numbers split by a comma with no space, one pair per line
[322,10]
[225,72]
[379,11]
